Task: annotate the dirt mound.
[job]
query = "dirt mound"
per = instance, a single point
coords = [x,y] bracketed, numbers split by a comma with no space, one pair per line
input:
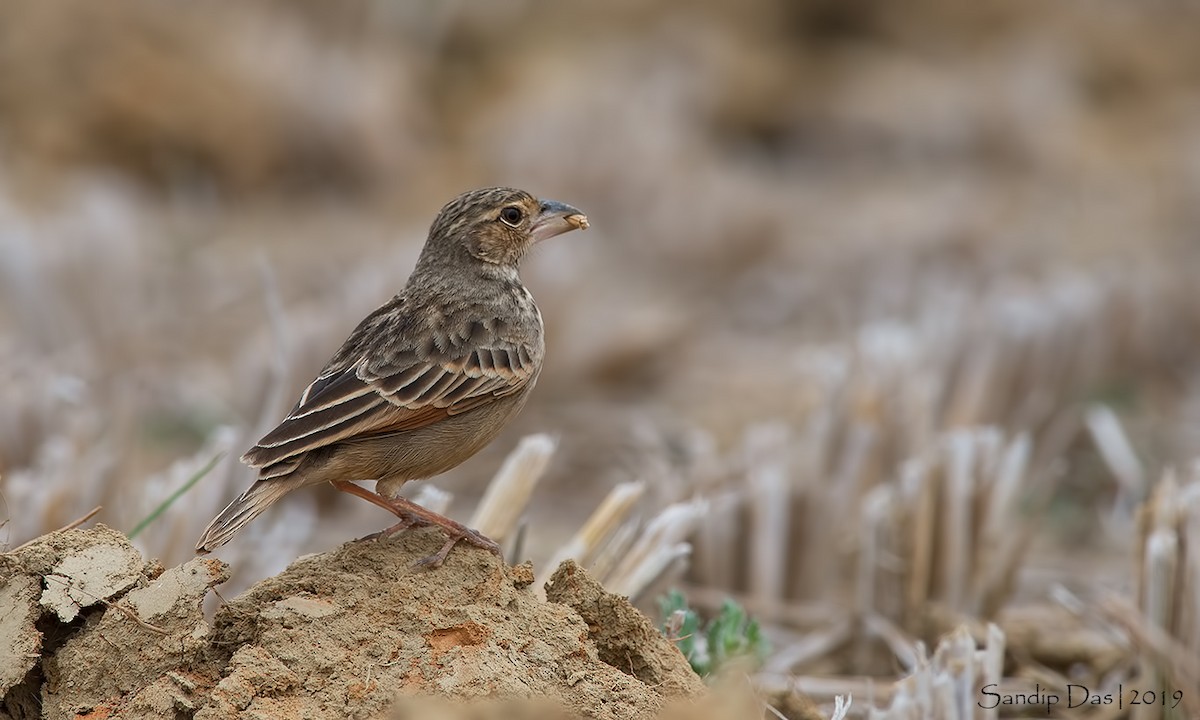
[98,632]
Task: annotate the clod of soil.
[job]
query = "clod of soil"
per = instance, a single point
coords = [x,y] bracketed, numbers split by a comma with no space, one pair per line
[96,629]
[623,636]
[98,632]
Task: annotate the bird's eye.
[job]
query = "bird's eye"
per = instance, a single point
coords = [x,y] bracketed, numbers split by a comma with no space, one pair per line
[512,215]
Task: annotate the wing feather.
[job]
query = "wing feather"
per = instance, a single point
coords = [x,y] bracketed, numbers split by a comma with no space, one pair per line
[299,426]
[409,390]
[329,391]
[396,379]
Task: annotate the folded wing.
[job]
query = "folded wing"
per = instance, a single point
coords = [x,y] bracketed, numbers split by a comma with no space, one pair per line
[411,389]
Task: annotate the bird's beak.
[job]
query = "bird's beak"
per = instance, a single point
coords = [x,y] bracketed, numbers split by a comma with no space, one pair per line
[556,218]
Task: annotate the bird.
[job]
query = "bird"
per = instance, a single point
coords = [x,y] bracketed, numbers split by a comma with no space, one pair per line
[423,382]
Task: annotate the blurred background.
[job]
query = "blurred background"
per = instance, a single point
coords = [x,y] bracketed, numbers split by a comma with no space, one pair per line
[826,236]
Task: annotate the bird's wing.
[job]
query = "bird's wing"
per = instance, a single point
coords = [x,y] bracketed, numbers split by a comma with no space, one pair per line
[407,390]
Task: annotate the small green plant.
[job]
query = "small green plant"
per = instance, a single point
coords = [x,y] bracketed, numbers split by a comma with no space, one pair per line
[731,636]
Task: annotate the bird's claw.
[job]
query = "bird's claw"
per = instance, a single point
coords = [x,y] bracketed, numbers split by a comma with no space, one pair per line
[471,536]
[404,524]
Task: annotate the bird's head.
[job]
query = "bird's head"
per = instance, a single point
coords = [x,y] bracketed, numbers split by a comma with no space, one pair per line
[497,226]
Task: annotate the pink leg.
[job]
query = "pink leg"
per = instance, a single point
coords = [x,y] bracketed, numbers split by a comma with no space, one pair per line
[413,515]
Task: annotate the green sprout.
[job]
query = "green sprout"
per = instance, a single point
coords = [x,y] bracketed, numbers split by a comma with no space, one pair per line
[730,637]
[162,507]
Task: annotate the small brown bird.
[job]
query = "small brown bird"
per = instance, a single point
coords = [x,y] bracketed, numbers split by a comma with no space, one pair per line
[425,381]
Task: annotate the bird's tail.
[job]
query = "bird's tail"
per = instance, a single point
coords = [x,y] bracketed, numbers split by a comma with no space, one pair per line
[260,496]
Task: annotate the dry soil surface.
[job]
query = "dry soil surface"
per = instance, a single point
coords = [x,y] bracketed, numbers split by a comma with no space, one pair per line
[89,629]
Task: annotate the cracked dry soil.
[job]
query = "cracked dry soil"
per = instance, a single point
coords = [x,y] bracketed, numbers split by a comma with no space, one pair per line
[89,629]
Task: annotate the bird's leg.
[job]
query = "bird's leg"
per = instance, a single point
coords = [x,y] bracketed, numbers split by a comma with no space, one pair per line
[413,515]
[407,520]
[455,532]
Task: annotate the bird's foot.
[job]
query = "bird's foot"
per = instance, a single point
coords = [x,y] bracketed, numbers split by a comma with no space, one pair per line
[454,537]
[413,515]
[404,524]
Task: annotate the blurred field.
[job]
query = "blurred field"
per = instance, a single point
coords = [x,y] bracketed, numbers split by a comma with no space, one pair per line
[828,238]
